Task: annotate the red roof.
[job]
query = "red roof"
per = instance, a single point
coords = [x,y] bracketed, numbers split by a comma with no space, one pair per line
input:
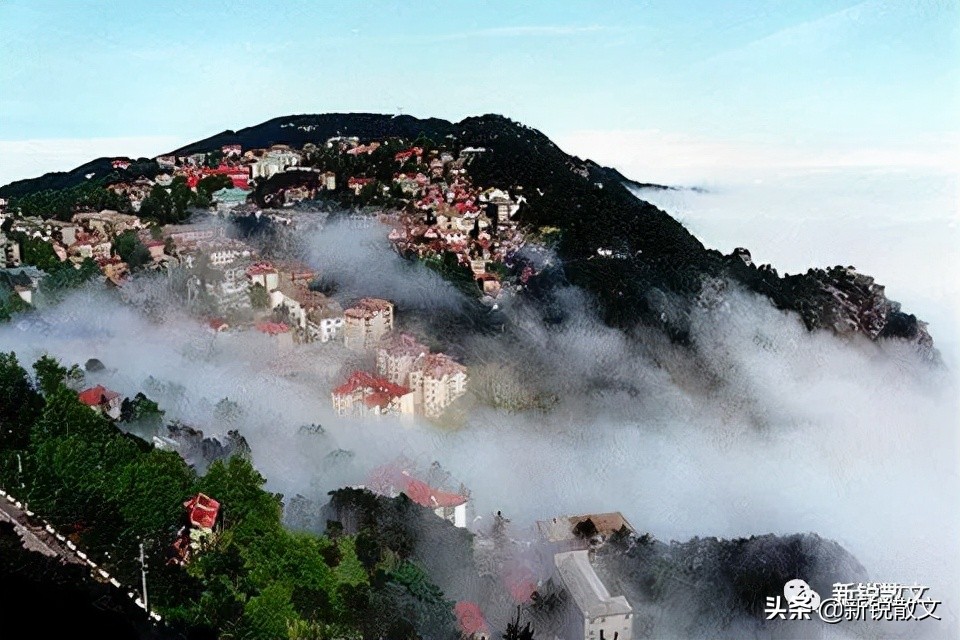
[202,511]
[426,496]
[96,396]
[390,476]
[520,582]
[260,268]
[364,380]
[470,618]
[272,328]
[217,324]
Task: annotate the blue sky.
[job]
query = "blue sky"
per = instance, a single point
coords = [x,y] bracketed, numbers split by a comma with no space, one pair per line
[742,77]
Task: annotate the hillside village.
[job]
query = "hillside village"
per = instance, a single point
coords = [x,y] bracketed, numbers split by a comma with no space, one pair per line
[172,218]
[424,194]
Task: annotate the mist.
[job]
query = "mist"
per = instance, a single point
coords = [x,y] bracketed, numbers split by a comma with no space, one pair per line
[760,427]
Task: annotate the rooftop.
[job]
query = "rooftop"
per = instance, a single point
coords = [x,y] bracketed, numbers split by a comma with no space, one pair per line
[96,396]
[202,511]
[368,381]
[585,587]
[564,528]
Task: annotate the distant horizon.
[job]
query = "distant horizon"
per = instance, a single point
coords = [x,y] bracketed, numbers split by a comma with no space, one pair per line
[679,159]
[657,89]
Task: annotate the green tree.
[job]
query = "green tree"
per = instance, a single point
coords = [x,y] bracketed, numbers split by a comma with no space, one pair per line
[128,247]
[269,614]
[150,490]
[38,253]
[20,403]
[50,374]
[259,297]
[158,206]
[181,197]
[141,409]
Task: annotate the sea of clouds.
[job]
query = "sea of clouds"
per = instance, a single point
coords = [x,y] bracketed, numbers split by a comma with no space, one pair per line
[761,427]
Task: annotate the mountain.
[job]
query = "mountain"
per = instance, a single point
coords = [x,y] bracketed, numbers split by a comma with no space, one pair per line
[640,264]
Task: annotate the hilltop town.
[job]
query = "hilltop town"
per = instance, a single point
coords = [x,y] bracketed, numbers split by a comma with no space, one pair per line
[431,210]
[172,216]
[477,210]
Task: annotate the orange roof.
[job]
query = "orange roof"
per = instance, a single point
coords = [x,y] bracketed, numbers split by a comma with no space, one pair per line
[260,268]
[96,396]
[202,511]
[376,384]
[391,476]
[272,328]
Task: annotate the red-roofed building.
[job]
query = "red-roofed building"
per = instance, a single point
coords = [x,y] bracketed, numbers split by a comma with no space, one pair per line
[365,393]
[407,154]
[473,626]
[120,164]
[264,274]
[217,325]
[231,150]
[390,480]
[101,399]
[272,328]
[435,379]
[240,176]
[202,511]
[357,184]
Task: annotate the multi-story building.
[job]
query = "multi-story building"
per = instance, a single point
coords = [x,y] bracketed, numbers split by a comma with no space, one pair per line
[592,613]
[364,393]
[314,314]
[442,380]
[436,379]
[366,322]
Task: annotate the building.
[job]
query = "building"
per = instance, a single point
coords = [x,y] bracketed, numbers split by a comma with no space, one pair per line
[108,223]
[279,332]
[592,612]
[120,163]
[435,378]
[398,355]
[184,235]
[314,314]
[9,251]
[101,399]
[202,511]
[470,620]
[442,379]
[366,322]
[357,184]
[167,162]
[364,393]
[227,199]
[330,181]
[572,533]
[231,150]
[273,162]
[263,274]
[391,480]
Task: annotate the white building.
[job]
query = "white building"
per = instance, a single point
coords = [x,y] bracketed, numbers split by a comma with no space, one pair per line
[367,322]
[435,379]
[594,614]
[274,162]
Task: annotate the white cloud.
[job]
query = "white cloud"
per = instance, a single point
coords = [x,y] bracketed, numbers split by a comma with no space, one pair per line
[652,155]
